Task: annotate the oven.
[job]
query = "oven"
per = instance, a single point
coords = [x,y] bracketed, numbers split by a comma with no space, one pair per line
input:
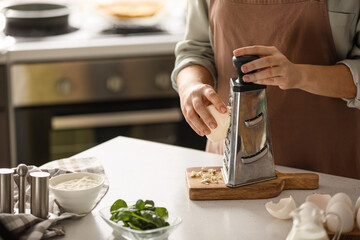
[4,122]
[63,108]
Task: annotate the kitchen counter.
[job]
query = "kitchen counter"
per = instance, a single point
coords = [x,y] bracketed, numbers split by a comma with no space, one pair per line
[141,169]
[113,46]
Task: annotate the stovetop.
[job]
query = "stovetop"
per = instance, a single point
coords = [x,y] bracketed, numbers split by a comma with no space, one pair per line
[86,26]
[97,37]
[89,28]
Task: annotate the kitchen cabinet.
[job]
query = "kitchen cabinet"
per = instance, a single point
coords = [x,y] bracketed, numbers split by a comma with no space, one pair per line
[4,122]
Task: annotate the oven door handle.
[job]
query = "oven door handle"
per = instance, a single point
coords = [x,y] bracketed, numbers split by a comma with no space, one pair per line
[112,119]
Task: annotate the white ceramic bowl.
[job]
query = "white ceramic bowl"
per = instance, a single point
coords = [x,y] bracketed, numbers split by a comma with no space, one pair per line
[76,201]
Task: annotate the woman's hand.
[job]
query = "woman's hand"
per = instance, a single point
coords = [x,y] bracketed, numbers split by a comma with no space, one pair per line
[273,68]
[196,92]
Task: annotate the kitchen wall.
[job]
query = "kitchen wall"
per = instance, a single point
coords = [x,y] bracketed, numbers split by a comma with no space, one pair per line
[4,130]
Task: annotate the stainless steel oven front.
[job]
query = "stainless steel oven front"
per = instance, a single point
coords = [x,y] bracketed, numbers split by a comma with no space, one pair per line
[62,108]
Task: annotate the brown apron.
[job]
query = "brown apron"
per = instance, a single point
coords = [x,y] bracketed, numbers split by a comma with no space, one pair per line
[308,131]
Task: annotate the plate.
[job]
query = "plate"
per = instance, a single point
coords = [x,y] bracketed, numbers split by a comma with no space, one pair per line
[152,20]
[128,233]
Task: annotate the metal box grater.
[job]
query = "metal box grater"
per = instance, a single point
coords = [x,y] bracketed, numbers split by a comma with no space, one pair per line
[248,156]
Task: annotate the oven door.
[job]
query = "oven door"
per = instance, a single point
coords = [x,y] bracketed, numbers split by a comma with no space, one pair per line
[50,133]
[63,108]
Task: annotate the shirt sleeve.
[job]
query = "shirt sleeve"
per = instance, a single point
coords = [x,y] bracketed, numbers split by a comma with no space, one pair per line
[353,63]
[196,48]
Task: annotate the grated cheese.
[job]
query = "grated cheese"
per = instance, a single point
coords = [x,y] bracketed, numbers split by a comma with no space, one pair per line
[212,172]
[193,174]
[207,176]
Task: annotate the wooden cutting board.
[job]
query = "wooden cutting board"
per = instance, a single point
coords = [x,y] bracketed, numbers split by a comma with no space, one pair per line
[267,189]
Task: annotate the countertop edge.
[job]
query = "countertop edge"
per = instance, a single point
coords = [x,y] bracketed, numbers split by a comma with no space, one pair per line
[93,49]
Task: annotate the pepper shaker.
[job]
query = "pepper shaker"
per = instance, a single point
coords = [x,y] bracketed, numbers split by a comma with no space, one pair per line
[6,190]
[39,194]
[22,171]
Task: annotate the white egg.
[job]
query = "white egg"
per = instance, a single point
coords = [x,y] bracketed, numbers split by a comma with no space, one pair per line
[321,200]
[282,209]
[357,205]
[340,197]
[223,124]
[343,211]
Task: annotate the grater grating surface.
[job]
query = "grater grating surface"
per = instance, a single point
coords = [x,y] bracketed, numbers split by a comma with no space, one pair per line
[248,156]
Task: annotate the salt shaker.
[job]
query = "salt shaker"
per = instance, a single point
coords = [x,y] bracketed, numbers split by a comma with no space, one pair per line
[6,190]
[39,194]
[22,171]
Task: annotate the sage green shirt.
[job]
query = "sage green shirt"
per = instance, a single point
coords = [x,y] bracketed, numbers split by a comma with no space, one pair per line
[197,47]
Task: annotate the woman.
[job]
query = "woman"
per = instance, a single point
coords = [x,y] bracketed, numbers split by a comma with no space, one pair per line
[309,58]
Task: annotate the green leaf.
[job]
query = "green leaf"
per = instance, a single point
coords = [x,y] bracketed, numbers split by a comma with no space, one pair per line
[150,202]
[140,204]
[134,225]
[117,205]
[123,214]
[141,216]
[162,212]
[154,218]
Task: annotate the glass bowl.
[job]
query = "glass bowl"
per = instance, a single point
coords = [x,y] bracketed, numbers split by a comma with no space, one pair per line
[128,233]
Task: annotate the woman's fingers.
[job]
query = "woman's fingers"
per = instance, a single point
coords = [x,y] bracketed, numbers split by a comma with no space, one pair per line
[273,81]
[199,117]
[215,99]
[266,73]
[255,50]
[194,104]
[193,119]
[264,62]
[272,68]
[205,116]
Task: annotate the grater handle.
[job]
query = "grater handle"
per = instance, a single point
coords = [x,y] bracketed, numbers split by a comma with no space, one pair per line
[239,61]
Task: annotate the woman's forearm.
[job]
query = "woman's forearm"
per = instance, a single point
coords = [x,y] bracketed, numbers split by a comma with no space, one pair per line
[331,81]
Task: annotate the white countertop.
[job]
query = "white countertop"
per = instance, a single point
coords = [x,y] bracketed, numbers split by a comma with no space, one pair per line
[141,169]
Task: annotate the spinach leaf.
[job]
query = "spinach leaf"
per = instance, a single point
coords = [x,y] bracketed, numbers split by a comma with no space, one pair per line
[123,214]
[150,202]
[135,224]
[154,218]
[140,204]
[147,204]
[118,204]
[162,212]
[141,216]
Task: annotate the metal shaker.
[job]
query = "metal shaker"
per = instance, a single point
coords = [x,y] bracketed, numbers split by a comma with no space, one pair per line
[39,202]
[22,171]
[6,190]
